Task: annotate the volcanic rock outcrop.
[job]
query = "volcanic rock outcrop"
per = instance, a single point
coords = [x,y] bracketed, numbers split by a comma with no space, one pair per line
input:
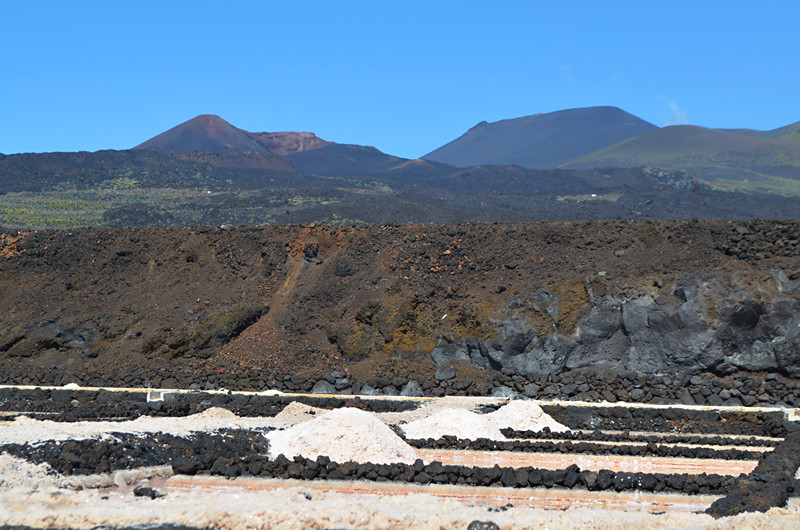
[697,322]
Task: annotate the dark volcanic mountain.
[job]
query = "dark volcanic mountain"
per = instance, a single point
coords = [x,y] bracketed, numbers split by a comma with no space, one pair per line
[541,140]
[211,133]
[212,140]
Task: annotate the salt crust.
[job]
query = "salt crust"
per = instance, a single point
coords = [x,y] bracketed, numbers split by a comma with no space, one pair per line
[343,435]
[18,473]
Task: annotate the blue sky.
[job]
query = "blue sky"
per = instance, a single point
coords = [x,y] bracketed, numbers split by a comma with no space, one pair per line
[405,77]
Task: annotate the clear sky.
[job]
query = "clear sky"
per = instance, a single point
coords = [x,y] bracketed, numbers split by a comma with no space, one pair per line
[404,76]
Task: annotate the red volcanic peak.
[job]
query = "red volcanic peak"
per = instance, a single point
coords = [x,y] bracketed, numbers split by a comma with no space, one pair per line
[206,132]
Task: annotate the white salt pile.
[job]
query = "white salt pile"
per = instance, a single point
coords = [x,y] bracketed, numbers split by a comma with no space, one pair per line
[519,415]
[343,435]
[453,422]
[522,415]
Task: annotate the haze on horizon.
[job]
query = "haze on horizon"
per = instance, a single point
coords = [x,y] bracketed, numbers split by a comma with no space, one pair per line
[406,78]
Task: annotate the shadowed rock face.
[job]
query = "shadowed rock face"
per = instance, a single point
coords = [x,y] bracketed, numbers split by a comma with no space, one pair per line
[703,322]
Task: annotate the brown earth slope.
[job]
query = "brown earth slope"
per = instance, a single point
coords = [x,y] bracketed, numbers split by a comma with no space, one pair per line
[449,306]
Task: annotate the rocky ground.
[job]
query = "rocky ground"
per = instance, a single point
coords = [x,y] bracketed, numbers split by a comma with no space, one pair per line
[694,312]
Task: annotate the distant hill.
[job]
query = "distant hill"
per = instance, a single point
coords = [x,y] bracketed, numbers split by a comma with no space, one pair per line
[728,160]
[771,134]
[541,140]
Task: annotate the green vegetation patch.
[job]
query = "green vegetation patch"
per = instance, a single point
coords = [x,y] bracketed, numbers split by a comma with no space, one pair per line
[785,187]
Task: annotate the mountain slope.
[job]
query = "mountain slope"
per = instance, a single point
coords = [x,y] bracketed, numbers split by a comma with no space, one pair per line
[203,133]
[771,134]
[541,140]
[335,160]
[287,143]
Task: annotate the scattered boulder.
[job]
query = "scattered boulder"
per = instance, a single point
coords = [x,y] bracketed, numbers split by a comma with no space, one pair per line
[412,389]
[323,387]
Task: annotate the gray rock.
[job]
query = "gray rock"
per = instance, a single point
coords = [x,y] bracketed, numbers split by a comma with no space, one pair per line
[444,354]
[548,358]
[531,390]
[443,374]
[547,303]
[516,334]
[608,352]
[412,389]
[634,314]
[323,387]
[696,380]
[637,394]
[504,392]
[684,396]
[390,390]
[483,525]
[367,390]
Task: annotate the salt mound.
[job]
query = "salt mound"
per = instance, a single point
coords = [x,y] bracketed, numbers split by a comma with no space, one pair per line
[296,412]
[453,422]
[522,415]
[343,435]
[217,413]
